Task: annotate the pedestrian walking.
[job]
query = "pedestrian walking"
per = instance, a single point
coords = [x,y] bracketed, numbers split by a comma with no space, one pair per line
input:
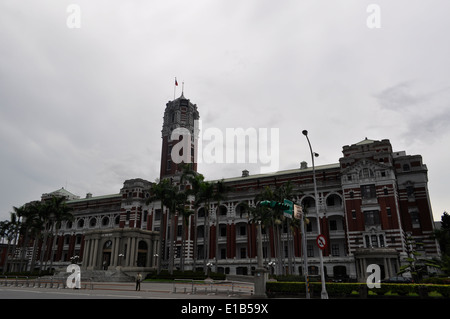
[138,281]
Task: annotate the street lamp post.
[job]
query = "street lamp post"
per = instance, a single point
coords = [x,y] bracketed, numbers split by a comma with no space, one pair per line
[260,272]
[324,294]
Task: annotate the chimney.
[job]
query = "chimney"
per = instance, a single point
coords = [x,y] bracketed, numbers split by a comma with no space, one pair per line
[89,195]
[245,173]
[303,165]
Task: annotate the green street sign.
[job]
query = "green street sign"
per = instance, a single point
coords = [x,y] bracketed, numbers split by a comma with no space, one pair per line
[289,211]
[286,206]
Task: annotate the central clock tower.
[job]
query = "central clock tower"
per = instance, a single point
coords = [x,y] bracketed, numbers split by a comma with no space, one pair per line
[179,118]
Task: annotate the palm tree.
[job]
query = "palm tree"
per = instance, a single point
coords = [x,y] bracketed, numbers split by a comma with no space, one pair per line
[274,217]
[158,193]
[220,191]
[185,213]
[53,212]
[265,216]
[9,230]
[205,196]
[35,225]
[29,227]
[195,181]
[60,213]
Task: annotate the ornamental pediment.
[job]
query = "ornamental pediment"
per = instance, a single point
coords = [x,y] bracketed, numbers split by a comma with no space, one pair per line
[366,170]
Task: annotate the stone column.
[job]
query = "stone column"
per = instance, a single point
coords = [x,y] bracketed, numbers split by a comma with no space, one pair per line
[128,255]
[91,253]
[95,254]
[86,253]
[133,252]
[114,253]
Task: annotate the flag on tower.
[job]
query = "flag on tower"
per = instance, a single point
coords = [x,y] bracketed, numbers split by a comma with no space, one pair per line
[176,83]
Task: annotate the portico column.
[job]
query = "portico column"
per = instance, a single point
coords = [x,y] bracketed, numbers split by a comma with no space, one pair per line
[128,256]
[133,252]
[114,252]
[386,269]
[91,252]
[94,261]
[86,253]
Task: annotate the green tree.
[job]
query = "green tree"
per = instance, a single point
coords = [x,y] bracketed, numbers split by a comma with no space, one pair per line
[416,265]
[59,213]
[443,237]
[160,192]
[9,230]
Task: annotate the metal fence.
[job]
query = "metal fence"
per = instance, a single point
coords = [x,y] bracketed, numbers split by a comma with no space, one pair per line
[189,286]
[39,282]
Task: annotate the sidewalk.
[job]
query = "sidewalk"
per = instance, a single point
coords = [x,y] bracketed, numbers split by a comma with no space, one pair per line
[149,289]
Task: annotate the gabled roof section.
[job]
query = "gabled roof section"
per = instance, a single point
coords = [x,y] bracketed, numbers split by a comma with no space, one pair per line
[60,193]
[365,163]
[366,141]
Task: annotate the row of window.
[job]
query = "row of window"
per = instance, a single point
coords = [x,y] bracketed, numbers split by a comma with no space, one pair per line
[372,217]
[242,252]
[105,221]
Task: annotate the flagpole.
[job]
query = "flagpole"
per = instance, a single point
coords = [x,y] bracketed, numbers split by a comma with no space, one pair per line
[175,88]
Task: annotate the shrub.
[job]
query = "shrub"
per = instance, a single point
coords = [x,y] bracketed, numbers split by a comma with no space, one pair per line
[342,290]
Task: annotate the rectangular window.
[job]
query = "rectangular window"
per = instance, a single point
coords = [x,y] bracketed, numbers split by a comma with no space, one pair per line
[335,250]
[371,218]
[389,212]
[243,252]
[368,191]
[157,214]
[223,231]
[415,218]
[310,250]
[333,225]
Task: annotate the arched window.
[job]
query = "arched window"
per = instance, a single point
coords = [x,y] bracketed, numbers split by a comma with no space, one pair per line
[105,221]
[92,222]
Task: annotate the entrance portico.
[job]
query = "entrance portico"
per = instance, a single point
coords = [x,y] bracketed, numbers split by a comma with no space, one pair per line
[386,258]
[127,249]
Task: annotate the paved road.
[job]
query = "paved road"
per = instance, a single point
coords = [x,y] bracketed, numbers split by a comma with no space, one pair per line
[149,290]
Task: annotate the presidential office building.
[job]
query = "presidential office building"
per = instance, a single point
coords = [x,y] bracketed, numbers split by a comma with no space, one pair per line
[370,203]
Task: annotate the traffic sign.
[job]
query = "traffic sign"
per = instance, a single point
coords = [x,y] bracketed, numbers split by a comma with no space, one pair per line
[321,242]
[289,209]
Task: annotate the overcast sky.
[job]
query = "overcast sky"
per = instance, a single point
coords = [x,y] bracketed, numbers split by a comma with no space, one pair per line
[81,108]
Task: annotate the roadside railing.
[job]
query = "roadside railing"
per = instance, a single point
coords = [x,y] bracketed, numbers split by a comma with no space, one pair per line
[39,282]
[189,286]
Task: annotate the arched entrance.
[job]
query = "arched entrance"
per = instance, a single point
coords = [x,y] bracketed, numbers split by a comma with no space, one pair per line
[106,256]
[142,254]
